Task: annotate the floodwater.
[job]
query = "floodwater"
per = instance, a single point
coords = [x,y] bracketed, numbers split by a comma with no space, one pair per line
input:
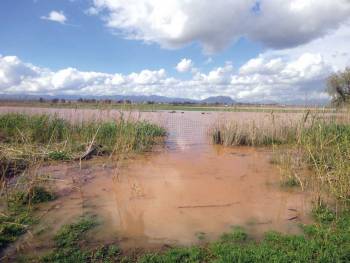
[187,192]
[174,197]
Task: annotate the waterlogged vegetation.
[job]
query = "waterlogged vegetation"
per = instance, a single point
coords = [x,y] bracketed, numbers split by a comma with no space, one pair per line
[69,243]
[326,150]
[26,139]
[152,106]
[27,142]
[327,240]
[46,130]
[249,134]
[16,217]
[319,145]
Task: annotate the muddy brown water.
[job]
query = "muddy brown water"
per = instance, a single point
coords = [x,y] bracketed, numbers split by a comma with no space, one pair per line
[183,193]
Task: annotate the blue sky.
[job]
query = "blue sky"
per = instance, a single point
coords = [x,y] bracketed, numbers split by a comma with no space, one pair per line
[250,50]
[85,42]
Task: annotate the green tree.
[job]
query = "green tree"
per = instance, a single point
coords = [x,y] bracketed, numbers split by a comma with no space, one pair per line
[338,86]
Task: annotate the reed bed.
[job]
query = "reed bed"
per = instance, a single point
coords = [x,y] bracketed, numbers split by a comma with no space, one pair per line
[313,151]
[250,134]
[25,139]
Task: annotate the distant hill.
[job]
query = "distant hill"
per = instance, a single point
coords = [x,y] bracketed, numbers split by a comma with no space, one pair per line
[132,98]
[224,100]
[219,99]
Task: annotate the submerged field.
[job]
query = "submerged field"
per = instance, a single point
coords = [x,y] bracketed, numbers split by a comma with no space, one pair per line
[81,185]
[146,107]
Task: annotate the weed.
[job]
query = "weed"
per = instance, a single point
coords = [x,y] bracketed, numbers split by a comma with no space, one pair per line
[70,234]
[325,241]
[186,255]
[201,236]
[59,156]
[18,217]
[236,235]
[69,249]
[34,195]
[290,182]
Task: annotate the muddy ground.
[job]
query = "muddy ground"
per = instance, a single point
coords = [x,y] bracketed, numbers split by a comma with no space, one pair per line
[185,192]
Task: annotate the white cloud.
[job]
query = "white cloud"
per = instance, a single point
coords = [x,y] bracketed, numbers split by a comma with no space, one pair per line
[278,80]
[334,48]
[218,76]
[56,16]
[13,72]
[260,66]
[216,24]
[184,65]
[261,79]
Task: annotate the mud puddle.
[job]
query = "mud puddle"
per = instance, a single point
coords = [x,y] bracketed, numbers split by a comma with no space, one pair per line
[184,193]
[171,198]
[180,198]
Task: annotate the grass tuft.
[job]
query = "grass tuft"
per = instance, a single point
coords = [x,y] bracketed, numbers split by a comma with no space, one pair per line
[34,195]
[69,248]
[325,241]
[18,217]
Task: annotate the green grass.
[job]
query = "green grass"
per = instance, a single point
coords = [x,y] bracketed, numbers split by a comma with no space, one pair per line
[16,219]
[328,240]
[135,136]
[12,225]
[326,150]
[33,195]
[59,156]
[29,139]
[47,130]
[20,128]
[69,245]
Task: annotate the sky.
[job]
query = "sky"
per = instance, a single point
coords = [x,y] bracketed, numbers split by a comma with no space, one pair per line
[251,50]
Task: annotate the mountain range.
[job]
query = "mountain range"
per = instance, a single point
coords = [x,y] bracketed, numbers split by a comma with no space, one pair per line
[223,100]
[132,98]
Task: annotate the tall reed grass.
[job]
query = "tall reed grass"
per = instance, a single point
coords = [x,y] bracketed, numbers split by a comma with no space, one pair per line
[319,143]
[250,134]
[27,139]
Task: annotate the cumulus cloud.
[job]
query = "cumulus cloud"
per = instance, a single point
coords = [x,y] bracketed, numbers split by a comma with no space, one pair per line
[279,80]
[56,16]
[334,48]
[217,76]
[184,65]
[260,79]
[216,24]
[13,72]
